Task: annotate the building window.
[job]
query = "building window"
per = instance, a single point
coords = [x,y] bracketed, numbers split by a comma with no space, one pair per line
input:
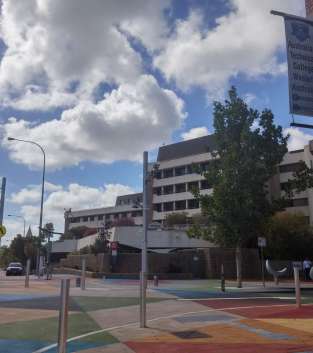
[283,186]
[192,186]
[168,206]
[289,168]
[205,185]
[193,204]
[75,220]
[158,174]
[107,216]
[136,214]
[205,166]
[85,219]
[180,188]
[193,169]
[158,207]
[180,205]
[180,171]
[157,191]
[124,215]
[168,173]
[100,217]
[91,218]
[168,189]
[116,216]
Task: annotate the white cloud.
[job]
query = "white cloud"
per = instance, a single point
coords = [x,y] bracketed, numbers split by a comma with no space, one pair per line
[32,193]
[130,119]
[74,196]
[53,44]
[297,139]
[243,42]
[195,132]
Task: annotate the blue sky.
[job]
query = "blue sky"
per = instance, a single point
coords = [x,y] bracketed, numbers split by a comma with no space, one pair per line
[96,83]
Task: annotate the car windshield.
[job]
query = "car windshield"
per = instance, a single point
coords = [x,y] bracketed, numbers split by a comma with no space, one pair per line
[15,264]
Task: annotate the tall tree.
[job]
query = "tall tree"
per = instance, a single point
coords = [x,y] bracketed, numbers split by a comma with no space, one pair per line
[248,149]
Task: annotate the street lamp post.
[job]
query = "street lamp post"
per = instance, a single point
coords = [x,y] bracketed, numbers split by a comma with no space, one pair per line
[42,185]
[144,265]
[24,221]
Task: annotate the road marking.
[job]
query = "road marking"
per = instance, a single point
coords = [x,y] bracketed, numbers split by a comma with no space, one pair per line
[45,349]
[240,298]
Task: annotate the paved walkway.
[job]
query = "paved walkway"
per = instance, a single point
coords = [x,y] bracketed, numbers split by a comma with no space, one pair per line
[183,316]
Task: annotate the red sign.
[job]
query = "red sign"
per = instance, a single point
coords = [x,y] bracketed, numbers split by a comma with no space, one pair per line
[114,245]
[309,8]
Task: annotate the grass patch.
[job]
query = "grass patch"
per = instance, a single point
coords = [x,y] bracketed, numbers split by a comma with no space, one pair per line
[99,303]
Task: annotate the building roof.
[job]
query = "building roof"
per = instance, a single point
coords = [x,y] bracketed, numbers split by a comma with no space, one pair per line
[187,148]
[128,199]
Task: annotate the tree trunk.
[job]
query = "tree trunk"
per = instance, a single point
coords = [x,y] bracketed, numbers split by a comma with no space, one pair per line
[239,266]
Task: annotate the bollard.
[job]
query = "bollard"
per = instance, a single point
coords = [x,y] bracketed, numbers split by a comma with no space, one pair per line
[78,282]
[83,275]
[297,286]
[143,287]
[222,279]
[27,273]
[63,315]
[155,280]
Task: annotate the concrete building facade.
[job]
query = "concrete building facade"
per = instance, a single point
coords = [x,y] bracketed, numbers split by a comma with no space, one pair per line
[175,178]
[127,207]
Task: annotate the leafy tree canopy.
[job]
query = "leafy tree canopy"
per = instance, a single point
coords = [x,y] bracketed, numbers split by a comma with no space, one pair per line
[249,146]
[289,237]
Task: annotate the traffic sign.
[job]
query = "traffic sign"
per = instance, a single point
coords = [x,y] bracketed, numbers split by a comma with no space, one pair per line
[3,231]
[261,242]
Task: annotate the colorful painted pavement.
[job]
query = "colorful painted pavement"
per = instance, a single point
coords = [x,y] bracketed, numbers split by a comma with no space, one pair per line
[103,319]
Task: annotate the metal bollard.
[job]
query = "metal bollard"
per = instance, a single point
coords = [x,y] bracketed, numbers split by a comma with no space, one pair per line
[27,273]
[63,315]
[297,286]
[143,308]
[156,280]
[222,279]
[83,276]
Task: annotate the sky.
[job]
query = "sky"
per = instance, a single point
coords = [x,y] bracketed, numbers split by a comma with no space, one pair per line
[98,82]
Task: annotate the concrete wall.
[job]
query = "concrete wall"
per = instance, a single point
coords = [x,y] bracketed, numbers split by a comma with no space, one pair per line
[199,263]
[95,263]
[215,257]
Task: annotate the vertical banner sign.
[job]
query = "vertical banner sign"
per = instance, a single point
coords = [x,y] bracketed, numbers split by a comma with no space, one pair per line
[299,35]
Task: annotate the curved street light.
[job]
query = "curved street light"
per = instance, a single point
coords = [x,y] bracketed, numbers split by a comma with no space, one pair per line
[18,216]
[43,180]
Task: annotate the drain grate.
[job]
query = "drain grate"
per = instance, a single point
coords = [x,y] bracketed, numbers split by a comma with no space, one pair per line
[190,334]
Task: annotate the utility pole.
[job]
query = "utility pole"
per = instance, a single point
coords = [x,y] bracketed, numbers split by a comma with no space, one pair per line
[144,270]
[2,197]
[3,183]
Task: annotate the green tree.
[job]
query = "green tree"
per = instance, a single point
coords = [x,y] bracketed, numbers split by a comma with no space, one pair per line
[289,237]
[17,248]
[176,219]
[5,256]
[248,149]
[78,233]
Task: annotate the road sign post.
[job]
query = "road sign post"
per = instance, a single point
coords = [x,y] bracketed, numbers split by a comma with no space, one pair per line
[297,286]
[27,273]
[83,279]
[63,315]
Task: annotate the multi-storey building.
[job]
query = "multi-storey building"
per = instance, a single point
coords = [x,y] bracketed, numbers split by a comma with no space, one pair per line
[301,202]
[177,176]
[127,207]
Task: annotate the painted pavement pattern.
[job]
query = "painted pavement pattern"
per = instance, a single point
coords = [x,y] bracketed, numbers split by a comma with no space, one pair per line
[208,321]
